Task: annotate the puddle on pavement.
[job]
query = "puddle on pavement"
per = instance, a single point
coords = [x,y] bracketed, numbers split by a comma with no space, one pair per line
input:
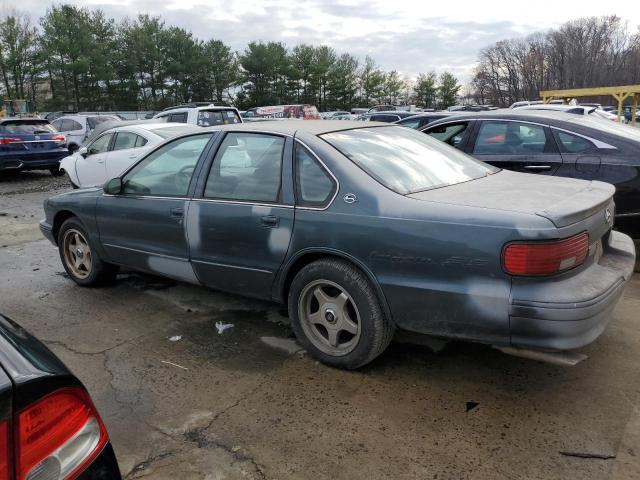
[241,347]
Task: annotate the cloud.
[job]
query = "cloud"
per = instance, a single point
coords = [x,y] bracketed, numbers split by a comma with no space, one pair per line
[410,37]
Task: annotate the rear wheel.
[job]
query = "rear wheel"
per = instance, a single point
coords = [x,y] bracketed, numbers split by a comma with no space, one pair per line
[56,171]
[336,315]
[79,259]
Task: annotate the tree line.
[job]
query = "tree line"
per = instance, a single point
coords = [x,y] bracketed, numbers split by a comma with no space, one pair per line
[76,58]
[588,52]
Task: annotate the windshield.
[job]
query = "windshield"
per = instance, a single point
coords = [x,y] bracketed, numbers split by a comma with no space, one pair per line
[626,131]
[169,132]
[404,160]
[27,127]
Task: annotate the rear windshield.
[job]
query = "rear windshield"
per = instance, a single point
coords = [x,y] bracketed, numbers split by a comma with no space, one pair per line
[27,126]
[211,118]
[93,121]
[173,131]
[406,161]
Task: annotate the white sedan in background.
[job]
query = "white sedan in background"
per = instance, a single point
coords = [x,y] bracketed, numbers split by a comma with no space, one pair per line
[109,153]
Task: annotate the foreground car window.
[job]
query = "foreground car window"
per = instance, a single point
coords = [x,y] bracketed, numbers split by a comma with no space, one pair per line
[314,186]
[167,171]
[247,167]
[404,160]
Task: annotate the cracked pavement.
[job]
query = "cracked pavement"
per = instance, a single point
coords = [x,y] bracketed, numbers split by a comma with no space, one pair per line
[248,404]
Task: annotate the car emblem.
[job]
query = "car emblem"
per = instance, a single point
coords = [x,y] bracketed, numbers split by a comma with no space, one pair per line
[350,198]
[607,215]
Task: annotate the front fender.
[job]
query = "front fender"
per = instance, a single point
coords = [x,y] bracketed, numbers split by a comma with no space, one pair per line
[68,164]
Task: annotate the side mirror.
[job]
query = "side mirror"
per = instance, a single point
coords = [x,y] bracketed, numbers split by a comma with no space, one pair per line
[83,151]
[113,186]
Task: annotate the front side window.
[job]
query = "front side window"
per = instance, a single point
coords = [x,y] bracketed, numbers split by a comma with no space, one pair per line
[404,160]
[574,143]
[450,134]
[100,145]
[167,171]
[510,138]
[247,167]
[314,186]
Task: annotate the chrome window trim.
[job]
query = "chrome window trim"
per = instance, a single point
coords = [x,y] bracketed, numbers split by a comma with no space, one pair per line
[328,170]
[242,202]
[597,143]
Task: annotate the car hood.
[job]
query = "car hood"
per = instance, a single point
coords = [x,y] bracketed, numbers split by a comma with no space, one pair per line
[563,201]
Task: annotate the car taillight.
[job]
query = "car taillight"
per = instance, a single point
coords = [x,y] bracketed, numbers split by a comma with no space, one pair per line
[5,451]
[545,258]
[7,140]
[58,436]
[59,138]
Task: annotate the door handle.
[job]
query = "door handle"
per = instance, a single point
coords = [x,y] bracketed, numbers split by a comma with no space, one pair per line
[270,221]
[176,213]
[538,167]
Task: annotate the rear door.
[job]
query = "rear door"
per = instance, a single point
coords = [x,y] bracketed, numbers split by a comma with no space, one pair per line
[91,169]
[240,223]
[519,146]
[127,147]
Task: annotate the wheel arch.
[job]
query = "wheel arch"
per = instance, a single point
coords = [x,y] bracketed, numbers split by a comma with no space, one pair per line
[59,218]
[304,257]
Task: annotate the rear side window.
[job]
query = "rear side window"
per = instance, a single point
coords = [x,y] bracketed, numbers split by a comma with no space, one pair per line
[69,125]
[510,138]
[314,185]
[140,141]
[573,143]
[247,167]
[27,127]
[125,140]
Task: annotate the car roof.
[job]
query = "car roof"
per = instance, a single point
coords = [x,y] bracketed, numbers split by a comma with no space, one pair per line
[291,127]
[199,108]
[513,114]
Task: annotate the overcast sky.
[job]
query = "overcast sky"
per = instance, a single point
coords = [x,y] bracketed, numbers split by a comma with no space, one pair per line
[408,36]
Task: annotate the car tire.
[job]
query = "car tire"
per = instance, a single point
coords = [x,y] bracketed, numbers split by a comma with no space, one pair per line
[80,259]
[336,315]
[56,171]
[73,148]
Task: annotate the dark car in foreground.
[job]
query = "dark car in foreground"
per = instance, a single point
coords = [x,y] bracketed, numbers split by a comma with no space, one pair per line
[31,144]
[554,144]
[361,229]
[49,427]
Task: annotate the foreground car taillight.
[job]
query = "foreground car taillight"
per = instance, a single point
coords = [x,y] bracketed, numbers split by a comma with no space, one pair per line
[545,258]
[8,140]
[5,452]
[59,138]
[58,436]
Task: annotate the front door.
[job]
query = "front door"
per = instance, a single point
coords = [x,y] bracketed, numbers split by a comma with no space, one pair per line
[143,226]
[240,224]
[519,146]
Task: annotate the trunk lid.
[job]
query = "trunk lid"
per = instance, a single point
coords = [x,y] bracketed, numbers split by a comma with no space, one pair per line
[563,201]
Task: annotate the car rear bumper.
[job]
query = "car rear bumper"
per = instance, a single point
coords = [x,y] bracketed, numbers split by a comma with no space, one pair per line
[35,161]
[573,310]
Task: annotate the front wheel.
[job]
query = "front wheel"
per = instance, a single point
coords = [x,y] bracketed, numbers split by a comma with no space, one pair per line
[56,171]
[79,259]
[336,315]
